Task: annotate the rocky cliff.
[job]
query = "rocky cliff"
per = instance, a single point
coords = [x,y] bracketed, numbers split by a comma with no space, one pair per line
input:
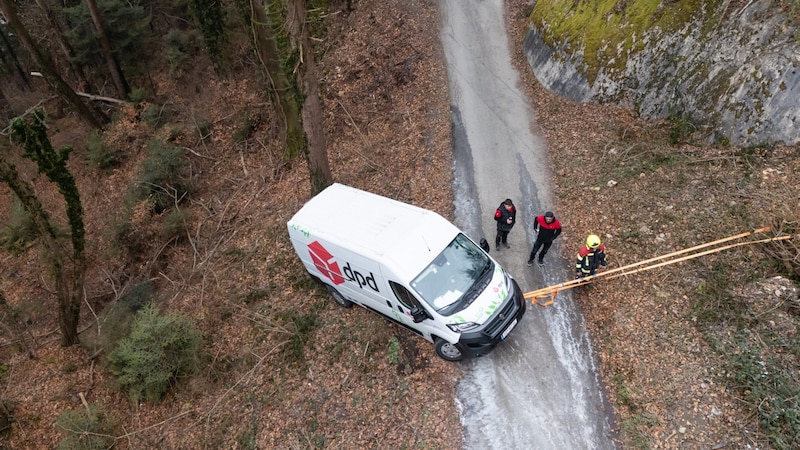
[728,69]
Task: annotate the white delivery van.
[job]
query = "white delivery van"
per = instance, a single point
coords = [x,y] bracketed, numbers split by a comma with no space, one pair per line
[410,265]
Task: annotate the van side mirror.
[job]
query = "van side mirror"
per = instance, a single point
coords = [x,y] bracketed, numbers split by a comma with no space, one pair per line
[418,314]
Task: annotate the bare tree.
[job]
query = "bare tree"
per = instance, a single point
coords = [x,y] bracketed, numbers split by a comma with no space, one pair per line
[17,65]
[68,268]
[105,43]
[283,94]
[48,69]
[282,37]
[57,29]
[308,83]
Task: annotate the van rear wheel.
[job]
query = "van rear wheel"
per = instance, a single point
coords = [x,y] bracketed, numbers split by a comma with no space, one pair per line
[338,298]
[448,351]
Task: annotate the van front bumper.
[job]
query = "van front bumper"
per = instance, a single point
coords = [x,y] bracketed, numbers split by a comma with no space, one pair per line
[481,342]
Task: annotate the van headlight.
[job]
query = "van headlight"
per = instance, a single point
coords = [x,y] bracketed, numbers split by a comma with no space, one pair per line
[509,285]
[462,327]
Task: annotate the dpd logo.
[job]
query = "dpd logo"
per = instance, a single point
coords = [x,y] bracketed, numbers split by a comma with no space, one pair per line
[325,263]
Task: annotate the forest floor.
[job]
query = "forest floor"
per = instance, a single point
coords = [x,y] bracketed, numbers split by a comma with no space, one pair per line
[286,367]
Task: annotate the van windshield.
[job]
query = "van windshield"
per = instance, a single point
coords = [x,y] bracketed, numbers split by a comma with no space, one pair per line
[454,276]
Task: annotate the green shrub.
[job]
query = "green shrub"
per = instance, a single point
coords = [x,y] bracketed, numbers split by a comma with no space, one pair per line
[6,419]
[155,116]
[302,325]
[138,297]
[770,383]
[121,235]
[245,129]
[162,180]
[210,18]
[247,439]
[255,295]
[160,349]
[681,128]
[99,154]
[87,429]
[177,43]
[637,427]
[129,31]
[117,319]
[137,95]
[19,231]
[174,224]
[394,351]
[202,126]
[172,130]
[3,371]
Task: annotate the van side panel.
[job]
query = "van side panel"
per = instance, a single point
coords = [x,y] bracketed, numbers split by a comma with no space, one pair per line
[362,281]
[357,278]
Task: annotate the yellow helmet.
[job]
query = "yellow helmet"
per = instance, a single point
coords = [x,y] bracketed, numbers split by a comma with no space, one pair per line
[593,241]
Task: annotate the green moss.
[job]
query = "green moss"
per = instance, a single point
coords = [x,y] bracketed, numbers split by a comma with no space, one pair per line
[610,31]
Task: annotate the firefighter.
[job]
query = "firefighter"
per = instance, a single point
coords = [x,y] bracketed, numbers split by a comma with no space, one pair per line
[590,257]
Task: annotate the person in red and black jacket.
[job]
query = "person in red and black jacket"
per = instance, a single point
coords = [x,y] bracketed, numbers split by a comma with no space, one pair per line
[547,229]
[506,216]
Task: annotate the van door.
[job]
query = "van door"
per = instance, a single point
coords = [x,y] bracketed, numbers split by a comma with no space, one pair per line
[405,304]
[364,284]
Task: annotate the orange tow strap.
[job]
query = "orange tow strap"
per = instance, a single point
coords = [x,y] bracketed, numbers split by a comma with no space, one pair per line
[550,292]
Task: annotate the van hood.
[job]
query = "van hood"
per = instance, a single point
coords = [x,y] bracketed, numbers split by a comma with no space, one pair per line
[489,301]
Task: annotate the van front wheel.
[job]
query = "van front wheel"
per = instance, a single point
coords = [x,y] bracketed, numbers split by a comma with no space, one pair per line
[338,298]
[448,351]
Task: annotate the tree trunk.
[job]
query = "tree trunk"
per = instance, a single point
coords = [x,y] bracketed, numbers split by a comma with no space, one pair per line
[57,29]
[113,66]
[48,69]
[210,18]
[6,110]
[318,165]
[68,311]
[69,271]
[283,92]
[17,66]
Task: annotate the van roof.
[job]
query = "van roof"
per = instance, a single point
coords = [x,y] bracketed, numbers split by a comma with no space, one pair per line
[395,233]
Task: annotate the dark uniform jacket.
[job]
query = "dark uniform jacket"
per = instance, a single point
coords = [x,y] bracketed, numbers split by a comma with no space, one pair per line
[589,260]
[547,231]
[501,216]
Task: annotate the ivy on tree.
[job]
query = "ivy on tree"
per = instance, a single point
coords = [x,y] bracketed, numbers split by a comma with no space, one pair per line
[68,270]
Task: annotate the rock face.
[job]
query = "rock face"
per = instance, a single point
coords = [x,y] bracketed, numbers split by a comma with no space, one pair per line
[732,72]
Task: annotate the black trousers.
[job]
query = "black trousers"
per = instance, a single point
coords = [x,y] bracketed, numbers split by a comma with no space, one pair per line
[545,246]
[502,236]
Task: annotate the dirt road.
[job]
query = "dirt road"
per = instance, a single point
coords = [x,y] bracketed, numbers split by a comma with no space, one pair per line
[540,389]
